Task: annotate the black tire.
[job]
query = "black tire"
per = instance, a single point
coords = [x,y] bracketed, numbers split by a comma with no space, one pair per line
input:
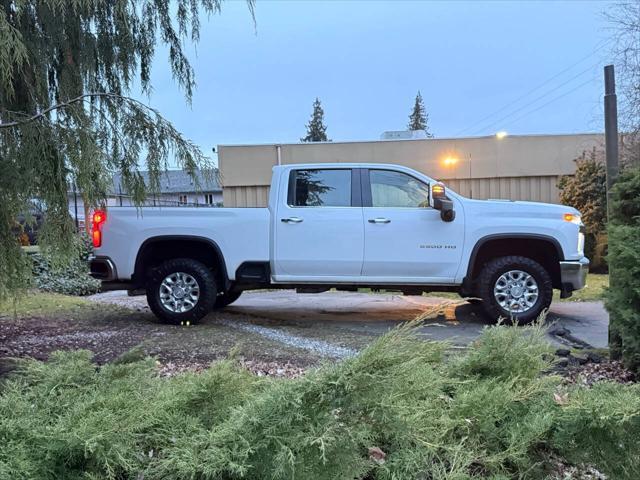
[495,268]
[206,284]
[226,299]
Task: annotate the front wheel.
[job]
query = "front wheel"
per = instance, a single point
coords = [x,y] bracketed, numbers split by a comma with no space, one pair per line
[516,288]
[181,290]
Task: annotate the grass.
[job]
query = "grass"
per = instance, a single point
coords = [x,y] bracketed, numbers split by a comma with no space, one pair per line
[37,303]
[400,409]
[594,291]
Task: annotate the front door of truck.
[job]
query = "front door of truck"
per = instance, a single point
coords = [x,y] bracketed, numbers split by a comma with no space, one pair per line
[406,241]
[319,232]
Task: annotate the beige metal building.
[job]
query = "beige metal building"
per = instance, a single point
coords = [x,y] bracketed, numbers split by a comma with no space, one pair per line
[517,167]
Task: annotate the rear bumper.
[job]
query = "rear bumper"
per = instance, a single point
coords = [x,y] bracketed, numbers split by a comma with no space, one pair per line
[573,274]
[103,269]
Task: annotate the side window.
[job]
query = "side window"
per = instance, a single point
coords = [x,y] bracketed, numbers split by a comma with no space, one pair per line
[396,189]
[320,188]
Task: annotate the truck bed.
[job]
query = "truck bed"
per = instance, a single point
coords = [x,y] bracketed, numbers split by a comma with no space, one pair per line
[242,233]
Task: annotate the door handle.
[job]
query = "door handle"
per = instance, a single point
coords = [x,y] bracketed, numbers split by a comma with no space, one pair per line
[291,220]
[379,220]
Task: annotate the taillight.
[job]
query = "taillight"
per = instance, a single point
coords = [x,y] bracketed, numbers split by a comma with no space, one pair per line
[99,217]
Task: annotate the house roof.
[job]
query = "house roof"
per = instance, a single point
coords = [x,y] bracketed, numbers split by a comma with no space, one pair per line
[175,181]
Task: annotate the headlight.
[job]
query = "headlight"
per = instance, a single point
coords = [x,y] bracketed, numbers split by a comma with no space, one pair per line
[574,218]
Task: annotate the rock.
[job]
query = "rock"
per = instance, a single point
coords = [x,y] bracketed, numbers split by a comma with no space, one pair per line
[562,352]
[563,362]
[559,331]
[377,455]
[580,359]
[594,357]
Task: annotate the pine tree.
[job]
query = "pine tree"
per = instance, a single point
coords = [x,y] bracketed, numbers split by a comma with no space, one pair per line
[66,69]
[316,129]
[418,120]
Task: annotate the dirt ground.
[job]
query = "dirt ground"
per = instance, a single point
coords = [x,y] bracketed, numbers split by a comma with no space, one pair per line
[269,331]
[111,330]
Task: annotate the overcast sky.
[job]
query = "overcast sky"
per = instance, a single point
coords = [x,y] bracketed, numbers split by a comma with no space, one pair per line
[366,61]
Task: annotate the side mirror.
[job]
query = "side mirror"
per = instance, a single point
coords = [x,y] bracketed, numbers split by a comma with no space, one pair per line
[447,213]
[442,203]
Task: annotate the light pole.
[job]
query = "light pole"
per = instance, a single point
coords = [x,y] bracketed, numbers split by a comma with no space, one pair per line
[501,135]
[470,179]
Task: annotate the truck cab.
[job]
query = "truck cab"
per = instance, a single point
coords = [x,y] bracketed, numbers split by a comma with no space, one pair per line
[346,226]
[373,225]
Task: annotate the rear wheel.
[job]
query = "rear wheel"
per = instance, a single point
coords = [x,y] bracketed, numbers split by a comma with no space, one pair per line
[226,299]
[514,287]
[181,290]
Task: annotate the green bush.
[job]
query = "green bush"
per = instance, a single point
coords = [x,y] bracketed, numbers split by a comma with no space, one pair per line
[623,295]
[586,190]
[398,410]
[69,278]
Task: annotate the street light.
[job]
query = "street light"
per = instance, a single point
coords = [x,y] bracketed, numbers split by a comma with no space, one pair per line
[450,161]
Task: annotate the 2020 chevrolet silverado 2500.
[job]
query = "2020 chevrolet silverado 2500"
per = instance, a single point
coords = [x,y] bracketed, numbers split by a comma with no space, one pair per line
[344,226]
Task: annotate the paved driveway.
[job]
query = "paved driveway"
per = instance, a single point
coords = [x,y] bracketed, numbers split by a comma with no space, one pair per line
[575,323]
[337,324]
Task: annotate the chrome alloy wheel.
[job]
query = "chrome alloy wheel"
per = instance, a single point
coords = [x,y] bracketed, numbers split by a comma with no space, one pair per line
[179,292]
[516,291]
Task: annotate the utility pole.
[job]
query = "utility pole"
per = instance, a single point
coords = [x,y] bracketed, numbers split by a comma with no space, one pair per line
[611,147]
[610,129]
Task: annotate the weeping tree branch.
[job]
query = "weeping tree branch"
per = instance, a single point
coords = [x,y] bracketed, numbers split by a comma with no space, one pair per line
[68,103]
[132,126]
[66,69]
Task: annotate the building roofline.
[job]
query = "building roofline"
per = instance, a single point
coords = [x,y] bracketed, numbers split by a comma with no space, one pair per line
[387,140]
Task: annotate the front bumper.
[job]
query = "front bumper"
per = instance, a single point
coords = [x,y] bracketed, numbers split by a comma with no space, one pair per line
[573,275]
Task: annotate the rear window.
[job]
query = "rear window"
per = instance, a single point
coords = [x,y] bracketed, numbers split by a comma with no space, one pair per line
[320,188]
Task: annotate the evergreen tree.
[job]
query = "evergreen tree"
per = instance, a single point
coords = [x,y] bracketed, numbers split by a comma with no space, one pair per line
[586,190]
[418,120]
[316,129]
[66,69]
[623,295]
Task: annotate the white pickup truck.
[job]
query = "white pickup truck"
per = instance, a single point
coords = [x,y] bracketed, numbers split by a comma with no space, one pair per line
[344,226]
